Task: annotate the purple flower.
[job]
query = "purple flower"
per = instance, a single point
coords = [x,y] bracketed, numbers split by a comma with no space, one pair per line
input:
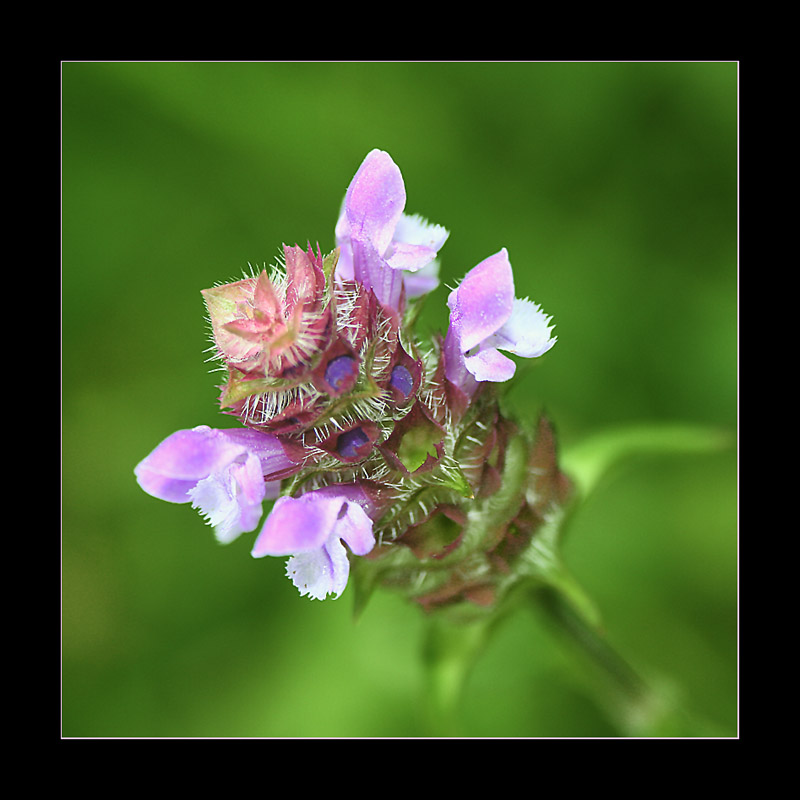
[311,529]
[225,474]
[485,318]
[382,247]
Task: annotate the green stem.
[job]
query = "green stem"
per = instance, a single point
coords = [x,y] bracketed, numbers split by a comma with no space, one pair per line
[637,706]
[450,650]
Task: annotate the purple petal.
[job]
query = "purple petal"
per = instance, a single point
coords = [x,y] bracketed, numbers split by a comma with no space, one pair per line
[372,214]
[490,365]
[483,301]
[402,380]
[423,281]
[351,444]
[484,318]
[305,523]
[272,490]
[297,525]
[374,273]
[355,528]
[183,459]
[412,257]
[341,372]
[188,456]
[354,493]
[416,243]
[375,200]
[269,449]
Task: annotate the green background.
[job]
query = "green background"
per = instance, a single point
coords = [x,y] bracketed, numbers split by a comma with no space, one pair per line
[614,188]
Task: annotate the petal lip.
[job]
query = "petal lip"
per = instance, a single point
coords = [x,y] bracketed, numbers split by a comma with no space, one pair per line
[231,500]
[413,229]
[321,572]
[423,281]
[490,365]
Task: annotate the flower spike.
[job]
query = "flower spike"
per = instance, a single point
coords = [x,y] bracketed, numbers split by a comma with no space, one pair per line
[380,450]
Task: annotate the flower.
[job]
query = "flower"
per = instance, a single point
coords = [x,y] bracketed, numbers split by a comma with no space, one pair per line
[381,246]
[485,317]
[311,529]
[225,474]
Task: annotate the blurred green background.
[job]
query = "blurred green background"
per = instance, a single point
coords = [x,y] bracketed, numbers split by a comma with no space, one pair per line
[614,188]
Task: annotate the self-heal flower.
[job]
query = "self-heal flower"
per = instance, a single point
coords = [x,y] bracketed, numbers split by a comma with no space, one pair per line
[311,529]
[225,474]
[380,244]
[377,446]
[485,318]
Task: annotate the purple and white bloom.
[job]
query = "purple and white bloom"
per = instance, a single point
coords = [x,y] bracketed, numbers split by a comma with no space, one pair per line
[360,432]
[485,318]
[380,246]
[225,474]
[313,529]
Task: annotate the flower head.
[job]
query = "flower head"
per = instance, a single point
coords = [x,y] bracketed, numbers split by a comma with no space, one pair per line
[226,474]
[311,529]
[485,318]
[379,243]
[375,444]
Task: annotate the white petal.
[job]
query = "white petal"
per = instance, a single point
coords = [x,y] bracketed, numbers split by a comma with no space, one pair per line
[230,499]
[526,333]
[414,229]
[215,498]
[320,572]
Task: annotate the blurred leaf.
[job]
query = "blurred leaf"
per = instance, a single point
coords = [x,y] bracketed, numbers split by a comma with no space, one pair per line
[588,462]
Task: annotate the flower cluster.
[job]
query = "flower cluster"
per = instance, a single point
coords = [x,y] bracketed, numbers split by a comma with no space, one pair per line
[374,446]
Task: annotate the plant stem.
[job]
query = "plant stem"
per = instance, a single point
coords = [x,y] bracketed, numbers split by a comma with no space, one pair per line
[450,650]
[638,707]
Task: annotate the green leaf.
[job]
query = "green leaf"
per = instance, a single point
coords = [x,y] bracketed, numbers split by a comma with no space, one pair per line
[589,461]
